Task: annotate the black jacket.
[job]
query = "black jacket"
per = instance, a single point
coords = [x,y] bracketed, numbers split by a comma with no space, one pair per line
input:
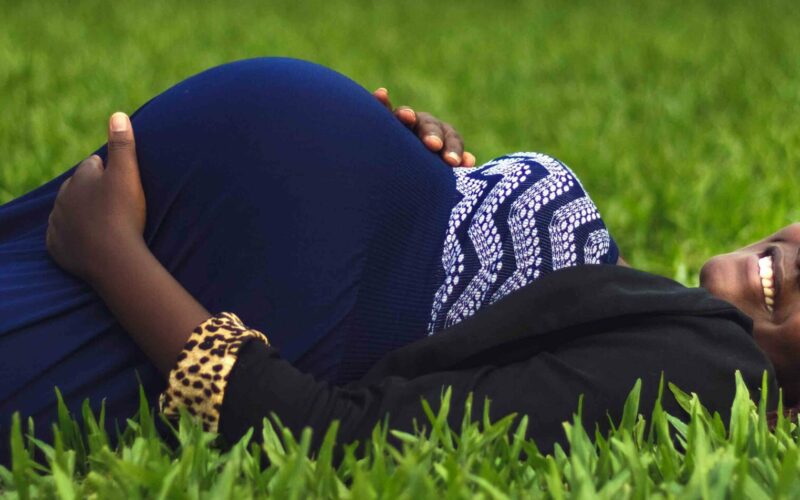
[590,330]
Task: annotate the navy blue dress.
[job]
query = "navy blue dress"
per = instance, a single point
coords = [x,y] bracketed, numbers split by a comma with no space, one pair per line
[284,192]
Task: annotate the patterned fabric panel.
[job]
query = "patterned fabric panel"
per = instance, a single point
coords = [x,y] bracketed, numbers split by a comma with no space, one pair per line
[520,216]
[198,380]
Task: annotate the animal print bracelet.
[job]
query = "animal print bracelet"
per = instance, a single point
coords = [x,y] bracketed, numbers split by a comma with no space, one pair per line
[199,379]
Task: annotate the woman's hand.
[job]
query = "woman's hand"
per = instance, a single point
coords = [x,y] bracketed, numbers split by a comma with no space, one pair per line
[95,232]
[99,210]
[437,135]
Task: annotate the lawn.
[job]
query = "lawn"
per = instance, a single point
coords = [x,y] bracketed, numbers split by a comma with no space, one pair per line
[682,119]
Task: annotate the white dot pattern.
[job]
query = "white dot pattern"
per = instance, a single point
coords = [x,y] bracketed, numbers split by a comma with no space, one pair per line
[596,246]
[562,230]
[485,238]
[452,255]
[526,205]
[522,224]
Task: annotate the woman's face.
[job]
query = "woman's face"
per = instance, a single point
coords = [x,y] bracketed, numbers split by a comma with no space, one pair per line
[763,280]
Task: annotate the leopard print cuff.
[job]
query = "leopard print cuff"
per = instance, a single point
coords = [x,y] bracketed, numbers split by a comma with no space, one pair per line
[198,381]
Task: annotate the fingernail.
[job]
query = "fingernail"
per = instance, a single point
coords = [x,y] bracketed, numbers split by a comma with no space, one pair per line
[454,156]
[119,122]
[434,141]
[384,89]
[411,112]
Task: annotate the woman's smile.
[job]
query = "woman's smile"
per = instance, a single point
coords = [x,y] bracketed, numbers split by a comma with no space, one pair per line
[758,278]
[769,274]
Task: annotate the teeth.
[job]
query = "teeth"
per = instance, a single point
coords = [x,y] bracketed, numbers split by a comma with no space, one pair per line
[765,267]
[766,274]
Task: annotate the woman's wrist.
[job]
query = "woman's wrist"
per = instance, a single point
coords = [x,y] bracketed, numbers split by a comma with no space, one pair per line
[113,258]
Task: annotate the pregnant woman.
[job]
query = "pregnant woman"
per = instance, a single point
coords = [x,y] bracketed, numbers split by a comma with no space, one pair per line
[282,193]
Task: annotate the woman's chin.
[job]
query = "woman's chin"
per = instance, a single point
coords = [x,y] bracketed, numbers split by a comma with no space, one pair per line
[711,273]
[718,277]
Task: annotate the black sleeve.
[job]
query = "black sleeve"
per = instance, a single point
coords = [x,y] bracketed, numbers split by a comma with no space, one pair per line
[262,383]
[698,355]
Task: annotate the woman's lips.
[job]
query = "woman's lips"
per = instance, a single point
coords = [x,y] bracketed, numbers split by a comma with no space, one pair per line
[778,268]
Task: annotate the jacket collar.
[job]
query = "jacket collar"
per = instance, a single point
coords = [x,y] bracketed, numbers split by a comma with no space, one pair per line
[573,298]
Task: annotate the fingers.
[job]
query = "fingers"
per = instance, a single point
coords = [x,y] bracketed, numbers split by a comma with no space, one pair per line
[121,144]
[383,97]
[406,115]
[430,131]
[468,159]
[441,137]
[453,146]
[437,136]
[63,187]
[49,237]
[89,167]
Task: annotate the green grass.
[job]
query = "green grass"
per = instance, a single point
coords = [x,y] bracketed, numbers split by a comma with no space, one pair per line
[682,119]
[659,457]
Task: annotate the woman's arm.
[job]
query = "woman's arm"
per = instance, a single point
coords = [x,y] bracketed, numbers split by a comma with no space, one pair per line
[95,232]
[233,391]
[148,302]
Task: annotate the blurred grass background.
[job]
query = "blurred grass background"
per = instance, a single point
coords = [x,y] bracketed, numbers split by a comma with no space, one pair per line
[681,118]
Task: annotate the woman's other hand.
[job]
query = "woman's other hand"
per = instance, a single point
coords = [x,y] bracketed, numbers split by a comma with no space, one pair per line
[99,210]
[437,135]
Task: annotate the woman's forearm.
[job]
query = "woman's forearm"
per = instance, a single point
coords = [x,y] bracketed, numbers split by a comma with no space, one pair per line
[147,301]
